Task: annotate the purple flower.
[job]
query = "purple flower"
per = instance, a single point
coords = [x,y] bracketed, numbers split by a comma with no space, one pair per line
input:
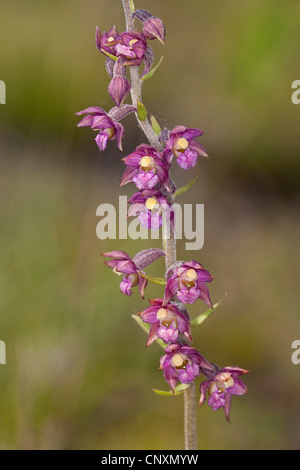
[145,167]
[132,47]
[167,322]
[132,268]
[181,143]
[107,41]
[149,205]
[99,120]
[220,386]
[183,363]
[188,282]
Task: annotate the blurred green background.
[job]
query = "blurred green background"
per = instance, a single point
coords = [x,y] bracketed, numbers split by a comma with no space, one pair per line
[78,375]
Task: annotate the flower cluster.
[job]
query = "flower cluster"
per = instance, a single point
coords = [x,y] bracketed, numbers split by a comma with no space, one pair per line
[148,168]
[170,322]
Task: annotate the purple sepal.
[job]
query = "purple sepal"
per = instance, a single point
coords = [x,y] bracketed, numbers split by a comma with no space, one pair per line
[148,59]
[109,65]
[146,257]
[141,15]
[118,89]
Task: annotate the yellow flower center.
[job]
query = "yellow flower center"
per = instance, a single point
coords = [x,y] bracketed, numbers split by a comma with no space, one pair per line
[151,203]
[133,41]
[191,274]
[226,377]
[147,163]
[230,382]
[182,143]
[166,317]
[161,313]
[188,278]
[110,39]
[226,381]
[177,360]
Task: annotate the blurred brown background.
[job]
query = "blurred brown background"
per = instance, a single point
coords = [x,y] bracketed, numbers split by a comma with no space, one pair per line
[78,375]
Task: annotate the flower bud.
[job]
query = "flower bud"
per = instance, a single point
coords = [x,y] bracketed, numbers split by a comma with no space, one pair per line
[118,89]
[153,28]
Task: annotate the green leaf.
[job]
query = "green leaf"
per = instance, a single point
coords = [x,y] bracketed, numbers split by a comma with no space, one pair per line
[109,55]
[203,316]
[141,111]
[154,124]
[185,188]
[143,325]
[146,327]
[132,7]
[178,391]
[152,71]
[156,280]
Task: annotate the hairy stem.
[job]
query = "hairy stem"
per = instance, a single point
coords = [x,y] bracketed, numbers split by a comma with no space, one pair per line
[190,404]
[190,418]
[136,85]
[190,429]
